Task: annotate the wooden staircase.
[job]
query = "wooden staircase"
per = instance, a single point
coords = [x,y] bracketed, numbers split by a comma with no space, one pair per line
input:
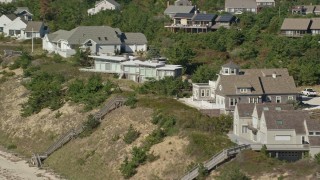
[216,160]
[114,103]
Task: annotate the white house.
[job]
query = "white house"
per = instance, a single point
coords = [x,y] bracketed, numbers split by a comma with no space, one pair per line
[128,67]
[24,13]
[103,5]
[98,39]
[35,29]
[134,42]
[16,28]
[5,20]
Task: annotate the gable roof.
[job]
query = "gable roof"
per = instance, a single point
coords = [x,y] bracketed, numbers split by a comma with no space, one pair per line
[19,10]
[245,109]
[240,4]
[315,23]
[279,85]
[113,2]
[11,16]
[99,34]
[184,15]
[231,64]
[309,9]
[266,72]
[272,107]
[295,24]
[34,26]
[178,9]
[134,38]
[290,120]
[229,84]
[204,17]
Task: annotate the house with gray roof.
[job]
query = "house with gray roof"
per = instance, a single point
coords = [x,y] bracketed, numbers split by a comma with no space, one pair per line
[241,6]
[315,26]
[24,13]
[235,85]
[103,5]
[295,27]
[224,20]
[174,9]
[35,29]
[287,133]
[98,39]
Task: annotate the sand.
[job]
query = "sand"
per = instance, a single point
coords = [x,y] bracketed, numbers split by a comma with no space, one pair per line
[13,167]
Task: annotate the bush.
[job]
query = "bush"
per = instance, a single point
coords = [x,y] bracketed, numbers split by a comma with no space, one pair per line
[128,168]
[203,171]
[264,150]
[155,137]
[45,92]
[131,101]
[232,173]
[91,93]
[131,135]
[11,146]
[24,61]
[317,158]
[90,125]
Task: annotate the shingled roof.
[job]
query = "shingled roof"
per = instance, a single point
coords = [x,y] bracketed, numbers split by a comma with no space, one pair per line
[134,38]
[314,140]
[229,84]
[34,26]
[290,120]
[295,24]
[11,16]
[279,85]
[245,109]
[272,107]
[240,4]
[178,9]
[315,23]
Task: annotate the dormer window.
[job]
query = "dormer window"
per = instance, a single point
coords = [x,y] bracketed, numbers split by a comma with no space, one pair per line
[243,90]
[99,38]
[105,38]
[232,71]
[226,70]
[279,122]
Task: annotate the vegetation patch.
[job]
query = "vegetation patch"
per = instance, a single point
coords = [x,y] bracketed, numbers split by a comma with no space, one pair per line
[89,126]
[131,135]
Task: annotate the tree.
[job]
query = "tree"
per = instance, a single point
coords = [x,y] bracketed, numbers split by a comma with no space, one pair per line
[204,73]
[232,173]
[44,8]
[180,54]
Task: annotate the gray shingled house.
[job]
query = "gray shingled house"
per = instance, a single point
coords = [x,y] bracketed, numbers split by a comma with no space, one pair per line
[35,29]
[235,85]
[287,133]
[99,39]
[295,27]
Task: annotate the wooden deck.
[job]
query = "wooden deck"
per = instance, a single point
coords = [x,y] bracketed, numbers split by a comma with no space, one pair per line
[216,160]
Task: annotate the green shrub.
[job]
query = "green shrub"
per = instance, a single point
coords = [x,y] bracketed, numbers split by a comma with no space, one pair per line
[317,158]
[155,137]
[264,150]
[232,173]
[45,92]
[89,126]
[23,61]
[12,146]
[128,168]
[131,101]
[131,135]
[91,93]
[203,171]
[139,155]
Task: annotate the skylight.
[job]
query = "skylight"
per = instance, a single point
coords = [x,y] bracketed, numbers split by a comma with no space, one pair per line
[265,108]
[278,108]
[279,122]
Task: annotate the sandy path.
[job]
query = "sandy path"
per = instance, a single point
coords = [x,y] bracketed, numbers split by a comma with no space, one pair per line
[14,168]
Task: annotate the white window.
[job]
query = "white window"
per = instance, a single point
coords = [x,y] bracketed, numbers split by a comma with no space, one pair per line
[311,133]
[317,133]
[208,92]
[243,90]
[290,98]
[253,100]
[202,92]
[282,138]
[244,129]
[233,101]
[232,71]
[226,70]
[278,99]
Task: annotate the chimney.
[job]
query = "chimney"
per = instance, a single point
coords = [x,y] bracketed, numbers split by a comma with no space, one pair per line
[274,75]
[168,3]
